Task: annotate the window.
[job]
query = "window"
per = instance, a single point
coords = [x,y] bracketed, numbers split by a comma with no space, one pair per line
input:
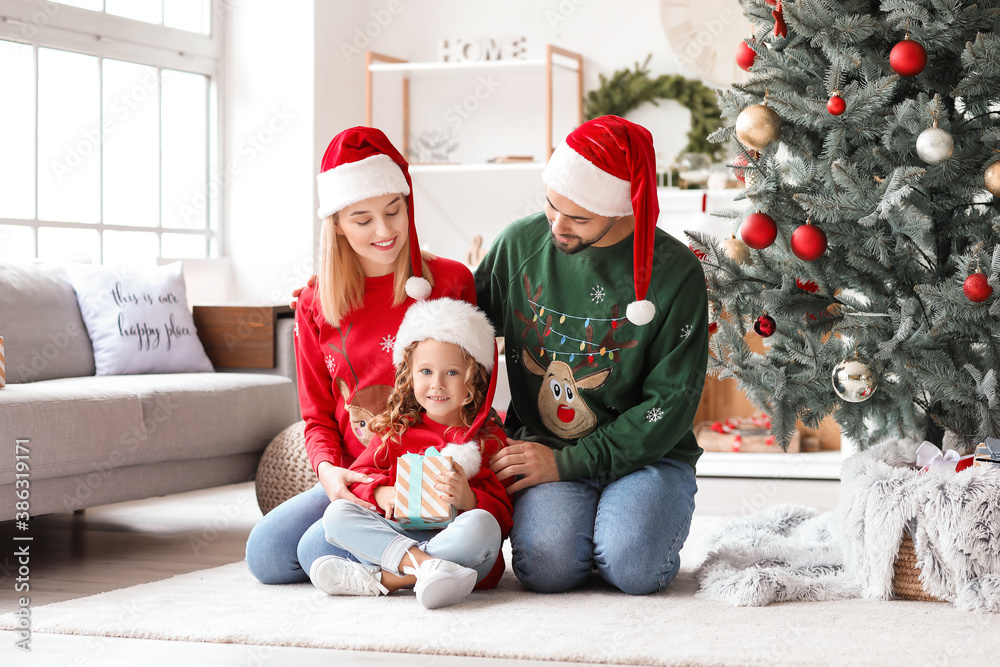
[108,130]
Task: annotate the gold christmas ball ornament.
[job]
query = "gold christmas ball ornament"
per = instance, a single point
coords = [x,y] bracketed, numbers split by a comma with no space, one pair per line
[737,250]
[758,126]
[992,179]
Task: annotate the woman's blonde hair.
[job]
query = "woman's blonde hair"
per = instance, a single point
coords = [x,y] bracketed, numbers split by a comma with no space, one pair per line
[403,410]
[340,281]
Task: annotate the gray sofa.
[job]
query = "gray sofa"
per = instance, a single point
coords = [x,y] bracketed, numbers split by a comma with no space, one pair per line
[96,440]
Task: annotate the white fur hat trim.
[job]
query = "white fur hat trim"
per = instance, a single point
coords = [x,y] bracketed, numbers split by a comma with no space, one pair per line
[352,182]
[418,288]
[640,312]
[447,321]
[587,185]
[466,454]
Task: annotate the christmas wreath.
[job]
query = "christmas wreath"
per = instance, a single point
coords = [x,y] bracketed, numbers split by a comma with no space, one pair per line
[627,89]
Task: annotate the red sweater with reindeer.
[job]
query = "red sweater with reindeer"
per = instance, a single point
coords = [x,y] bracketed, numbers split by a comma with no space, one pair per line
[345,373]
[489,491]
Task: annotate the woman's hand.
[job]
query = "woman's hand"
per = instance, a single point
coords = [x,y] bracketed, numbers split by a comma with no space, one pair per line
[454,489]
[298,290]
[385,496]
[336,481]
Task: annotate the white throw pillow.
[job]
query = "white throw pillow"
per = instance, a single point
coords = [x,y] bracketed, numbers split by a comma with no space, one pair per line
[138,319]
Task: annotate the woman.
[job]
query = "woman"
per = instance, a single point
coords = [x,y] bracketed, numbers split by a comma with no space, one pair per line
[370,271]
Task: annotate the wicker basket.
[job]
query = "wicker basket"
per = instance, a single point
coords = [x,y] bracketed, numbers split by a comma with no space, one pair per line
[284,469]
[906,583]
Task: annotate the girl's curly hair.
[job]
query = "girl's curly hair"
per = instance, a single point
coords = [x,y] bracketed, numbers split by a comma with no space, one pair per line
[403,410]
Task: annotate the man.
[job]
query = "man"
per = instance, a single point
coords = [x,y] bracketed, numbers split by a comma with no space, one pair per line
[603,401]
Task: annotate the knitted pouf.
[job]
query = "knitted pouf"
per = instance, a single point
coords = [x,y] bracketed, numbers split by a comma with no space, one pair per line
[284,470]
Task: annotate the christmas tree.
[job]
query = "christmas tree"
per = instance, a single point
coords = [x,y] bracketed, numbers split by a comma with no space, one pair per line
[869,138]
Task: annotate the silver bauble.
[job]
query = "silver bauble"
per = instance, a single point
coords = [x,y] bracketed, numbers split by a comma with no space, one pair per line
[935,145]
[855,379]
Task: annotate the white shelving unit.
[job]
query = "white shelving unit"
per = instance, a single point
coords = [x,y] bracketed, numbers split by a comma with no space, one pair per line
[485,167]
[554,57]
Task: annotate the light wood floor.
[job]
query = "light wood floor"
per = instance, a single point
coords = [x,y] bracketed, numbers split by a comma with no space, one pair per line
[115,546]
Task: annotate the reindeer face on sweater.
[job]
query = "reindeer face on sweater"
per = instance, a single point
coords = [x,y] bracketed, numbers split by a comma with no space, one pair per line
[562,409]
[363,406]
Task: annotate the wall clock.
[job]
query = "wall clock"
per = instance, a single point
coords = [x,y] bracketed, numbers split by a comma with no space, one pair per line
[704,34]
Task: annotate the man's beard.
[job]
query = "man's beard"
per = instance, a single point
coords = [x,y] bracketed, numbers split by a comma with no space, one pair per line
[583,245]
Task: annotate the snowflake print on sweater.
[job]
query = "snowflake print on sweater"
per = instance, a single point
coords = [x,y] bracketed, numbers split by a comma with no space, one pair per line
[654,415]
[597,294]
[387,344]
[686,331]
[331,364]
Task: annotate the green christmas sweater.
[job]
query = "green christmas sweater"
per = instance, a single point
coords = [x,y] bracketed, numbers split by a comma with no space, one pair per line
[610,397]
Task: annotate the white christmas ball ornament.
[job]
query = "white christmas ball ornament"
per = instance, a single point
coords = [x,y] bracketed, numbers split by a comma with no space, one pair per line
[935,145]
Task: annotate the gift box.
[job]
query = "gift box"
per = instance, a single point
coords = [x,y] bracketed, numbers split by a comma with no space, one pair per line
[417,503]
[744,434]
[3,367]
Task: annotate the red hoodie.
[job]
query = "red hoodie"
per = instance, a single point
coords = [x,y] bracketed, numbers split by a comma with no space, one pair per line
[490,493]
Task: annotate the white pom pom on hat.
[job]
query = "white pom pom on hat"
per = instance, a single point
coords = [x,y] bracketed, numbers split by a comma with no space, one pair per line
[607,166]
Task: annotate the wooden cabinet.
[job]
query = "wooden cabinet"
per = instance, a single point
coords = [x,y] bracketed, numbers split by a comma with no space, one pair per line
[240,336]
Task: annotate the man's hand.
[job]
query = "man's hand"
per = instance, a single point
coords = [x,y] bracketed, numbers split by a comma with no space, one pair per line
[454,489]
[336,480]
[385,496]
[298,290]
[534,461]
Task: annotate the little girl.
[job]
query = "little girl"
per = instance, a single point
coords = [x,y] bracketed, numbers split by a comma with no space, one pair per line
[444,355]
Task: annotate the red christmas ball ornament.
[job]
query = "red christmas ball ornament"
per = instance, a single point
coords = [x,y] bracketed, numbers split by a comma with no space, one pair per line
[836,105]
[976,288]
[765,326]
[740,174]
[807,285]
[758,230]
[808,242]
[745,56]
[908,58]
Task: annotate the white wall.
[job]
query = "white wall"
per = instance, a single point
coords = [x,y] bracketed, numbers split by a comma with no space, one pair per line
[294,74]
[508,107]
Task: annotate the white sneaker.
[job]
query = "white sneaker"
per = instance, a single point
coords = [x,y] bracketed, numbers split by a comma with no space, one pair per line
[339,576]
[441,582]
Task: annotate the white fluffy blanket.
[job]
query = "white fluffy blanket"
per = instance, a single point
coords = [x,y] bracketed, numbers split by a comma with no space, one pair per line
[789,553]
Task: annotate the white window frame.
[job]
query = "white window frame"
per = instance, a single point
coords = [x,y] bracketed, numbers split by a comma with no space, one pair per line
[47,24]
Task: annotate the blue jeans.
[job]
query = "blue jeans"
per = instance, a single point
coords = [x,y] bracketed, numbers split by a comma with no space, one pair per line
[631,530]
[283,545]
[471,540]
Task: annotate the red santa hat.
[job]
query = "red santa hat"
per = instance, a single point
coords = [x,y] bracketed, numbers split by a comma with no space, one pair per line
[361,163]
[608,167]
[460,323]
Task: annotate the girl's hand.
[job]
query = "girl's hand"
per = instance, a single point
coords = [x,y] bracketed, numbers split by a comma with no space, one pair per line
[385,496]
[336,481]
[454,489]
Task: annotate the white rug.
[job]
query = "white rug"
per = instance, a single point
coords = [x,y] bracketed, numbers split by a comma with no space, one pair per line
[596,624]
